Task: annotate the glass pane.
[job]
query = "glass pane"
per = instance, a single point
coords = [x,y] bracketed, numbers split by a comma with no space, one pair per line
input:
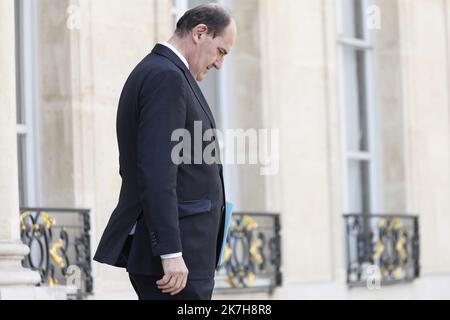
[21,156]
[194,3]
[355,100]
[178,9]
[209,86]
[353,19]
[359,187]
[19,104]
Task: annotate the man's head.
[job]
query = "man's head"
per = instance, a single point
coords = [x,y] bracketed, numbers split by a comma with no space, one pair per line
[205,35]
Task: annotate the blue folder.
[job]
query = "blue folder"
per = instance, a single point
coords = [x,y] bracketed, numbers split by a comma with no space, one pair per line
[228,214]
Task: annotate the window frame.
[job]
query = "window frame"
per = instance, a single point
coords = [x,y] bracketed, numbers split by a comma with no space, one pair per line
[27,101]
[366,44]
[178,8]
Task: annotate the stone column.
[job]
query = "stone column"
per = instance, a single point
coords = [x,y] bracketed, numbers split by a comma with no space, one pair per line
[15,281]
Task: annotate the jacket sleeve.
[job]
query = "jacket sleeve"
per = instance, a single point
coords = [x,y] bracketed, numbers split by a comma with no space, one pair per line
[162,109]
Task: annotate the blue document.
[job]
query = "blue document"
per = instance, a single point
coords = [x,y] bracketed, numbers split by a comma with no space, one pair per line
[228,214]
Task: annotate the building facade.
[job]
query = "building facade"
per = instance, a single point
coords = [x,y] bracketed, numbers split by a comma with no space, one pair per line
[357,89]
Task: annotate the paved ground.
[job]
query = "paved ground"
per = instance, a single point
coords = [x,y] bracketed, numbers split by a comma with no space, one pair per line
[426,287]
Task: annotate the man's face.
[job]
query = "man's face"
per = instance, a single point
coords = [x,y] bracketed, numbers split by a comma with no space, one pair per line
[210,52]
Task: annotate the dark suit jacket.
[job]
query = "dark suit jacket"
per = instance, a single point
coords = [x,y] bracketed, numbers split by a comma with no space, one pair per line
[176,207]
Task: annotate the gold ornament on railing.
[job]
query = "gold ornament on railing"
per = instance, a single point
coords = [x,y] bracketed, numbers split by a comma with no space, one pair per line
[379,249]
[51,282]
[227,253]
[22,218]
[400,248]
[238,273]
[54,253]
[48,221]
[255,249]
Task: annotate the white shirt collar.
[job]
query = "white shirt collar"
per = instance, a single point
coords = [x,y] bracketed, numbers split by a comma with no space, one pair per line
[182,58]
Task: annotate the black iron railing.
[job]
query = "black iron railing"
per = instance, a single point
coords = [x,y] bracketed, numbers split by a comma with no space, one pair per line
[383,248]
[252,259]
[59,241]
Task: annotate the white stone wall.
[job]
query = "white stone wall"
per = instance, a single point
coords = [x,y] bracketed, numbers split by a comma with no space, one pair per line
[300,96]
[14,279]
[9,171]
[425,85]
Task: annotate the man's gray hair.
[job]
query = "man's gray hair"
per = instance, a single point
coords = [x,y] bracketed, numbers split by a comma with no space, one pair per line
[213,15]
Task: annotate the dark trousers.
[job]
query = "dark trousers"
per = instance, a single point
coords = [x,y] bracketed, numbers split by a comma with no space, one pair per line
[147,289]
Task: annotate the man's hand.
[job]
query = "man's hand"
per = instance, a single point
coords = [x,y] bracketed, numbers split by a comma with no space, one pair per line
[175,276]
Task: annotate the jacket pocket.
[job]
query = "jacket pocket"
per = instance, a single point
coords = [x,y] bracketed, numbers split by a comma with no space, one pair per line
[189,208]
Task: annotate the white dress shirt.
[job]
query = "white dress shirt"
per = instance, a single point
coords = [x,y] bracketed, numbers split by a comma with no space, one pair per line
[182,58]
[178,53]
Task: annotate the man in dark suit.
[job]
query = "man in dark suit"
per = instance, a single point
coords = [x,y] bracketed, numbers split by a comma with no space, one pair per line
[168,226]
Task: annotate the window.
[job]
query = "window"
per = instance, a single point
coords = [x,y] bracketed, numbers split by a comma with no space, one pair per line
[25,14]
[179,7]
[358,107]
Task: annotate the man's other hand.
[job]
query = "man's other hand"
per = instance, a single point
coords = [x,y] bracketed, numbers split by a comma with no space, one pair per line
[175,276]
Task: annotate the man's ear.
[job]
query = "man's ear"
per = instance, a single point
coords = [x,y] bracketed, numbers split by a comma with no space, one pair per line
[199,32]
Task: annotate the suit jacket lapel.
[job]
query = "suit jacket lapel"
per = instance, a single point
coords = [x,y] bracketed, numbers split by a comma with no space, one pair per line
[201,98]
[169,54]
